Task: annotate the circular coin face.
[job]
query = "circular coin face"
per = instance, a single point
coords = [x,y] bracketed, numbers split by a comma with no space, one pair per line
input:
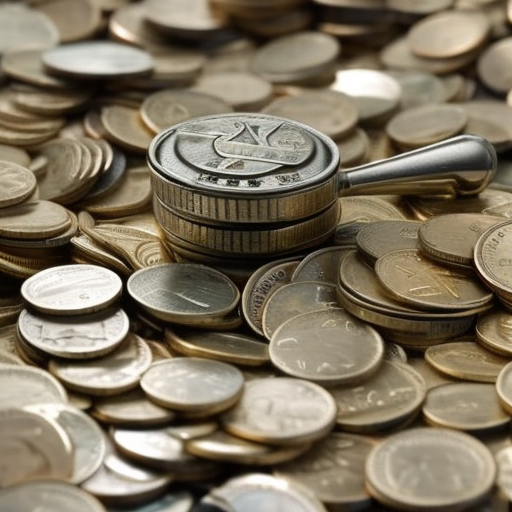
[16,183]
[243,155]
[430,469]
[72,289]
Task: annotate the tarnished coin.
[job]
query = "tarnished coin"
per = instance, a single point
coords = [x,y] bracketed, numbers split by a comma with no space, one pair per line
[250,492]
[87,438]
[17,183]
[327,346]
[451,238]
[414,280]
[494,331]
[164,108]
[118,371]
[193,385]
[281,411]
[333,469]
[466,360]
[467,406]
[130,409]
[426,468]
[74,337]
[185,293]
[98,60]
[294,299]
[231,347]
[48,495]
[377,238]
[72,289]
[32,447]
[389,398]
[27,385]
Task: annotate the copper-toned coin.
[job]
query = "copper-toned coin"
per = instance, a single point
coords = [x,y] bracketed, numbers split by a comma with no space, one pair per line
[98,60]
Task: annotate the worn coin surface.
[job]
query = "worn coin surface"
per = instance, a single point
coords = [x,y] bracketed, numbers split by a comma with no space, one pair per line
[17,183]
[72,289]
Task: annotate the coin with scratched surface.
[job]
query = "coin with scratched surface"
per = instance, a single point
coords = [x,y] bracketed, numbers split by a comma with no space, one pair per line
[26,385]
[97,59]
[425,468]
[17,183]
[193,384]
[183,292]
[74,337]
[414,280]
[32,447]
[86,436]
[334,470]
[72,289]
[467,406]
[48,495]
[389,398]
[466,360]
[118,371]
[281,411]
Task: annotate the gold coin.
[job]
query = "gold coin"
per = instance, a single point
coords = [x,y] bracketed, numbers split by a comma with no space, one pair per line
[448,34]
[17,183]
[37,448]
[467,406]
[230,347]
[414,280]
[281,411]
[294,299]
[466,360]
[193,384]
[397,392]
[111,374]
[461,470]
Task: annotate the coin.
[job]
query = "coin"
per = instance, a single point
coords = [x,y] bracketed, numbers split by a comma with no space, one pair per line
[493,331]
[75,337]
[466,406]
[193,385]
[460,468]
[183,293]
[97,59]
[321,265]
[17,183]
[503,387]
[72,289]
[281,411]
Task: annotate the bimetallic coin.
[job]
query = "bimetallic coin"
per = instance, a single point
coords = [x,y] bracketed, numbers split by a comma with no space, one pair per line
[466,360]
[98,60]
[72,289]
[281,411]
[467,406]
[17,183]
[333,469]
[184,293]
[387,399]
[193,385]
[75,337]
[48,495]
[32,447]
[414,280]
[327,346]
[118,371]
[425,468]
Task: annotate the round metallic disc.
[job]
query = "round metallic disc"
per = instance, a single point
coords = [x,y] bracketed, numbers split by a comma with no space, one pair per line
[503,387]
[425,468]
[33,447]
[281,411]
[193,384]
[397,392]
[494,331]
[98,60]
[77,337]
[492,66]
[17,183]
[243,155]
[48,495]
[467,406]
[72,289]
[183,292]
[321,265]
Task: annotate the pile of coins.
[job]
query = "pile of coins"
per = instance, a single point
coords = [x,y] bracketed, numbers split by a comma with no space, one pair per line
[192,318]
